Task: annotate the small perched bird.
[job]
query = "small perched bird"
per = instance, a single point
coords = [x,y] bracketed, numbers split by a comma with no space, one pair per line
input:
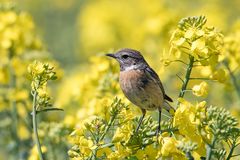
[141,84]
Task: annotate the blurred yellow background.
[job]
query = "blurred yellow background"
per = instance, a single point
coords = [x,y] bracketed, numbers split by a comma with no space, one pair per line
[75,29]
[74,35]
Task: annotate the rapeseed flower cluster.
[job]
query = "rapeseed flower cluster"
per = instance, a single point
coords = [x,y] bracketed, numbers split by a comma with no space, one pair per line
[94,124]
[40,74]
[201,89]
[186,120]
[17,37]
[193,38]
[17,42]
[20,45]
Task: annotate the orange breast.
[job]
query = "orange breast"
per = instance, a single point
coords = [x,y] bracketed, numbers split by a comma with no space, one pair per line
[140,90]
[131,75]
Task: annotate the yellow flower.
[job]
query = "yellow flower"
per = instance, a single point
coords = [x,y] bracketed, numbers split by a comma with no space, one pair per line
[6,43]
[193,32]
[85,145]
[199,49]
[148,153]
[23,133]
[34,152]
[205,71]
[200,111]
[117,136]
[169,149]
[180,41]
[4,76]
[103,151]
[42,92]
[18,94]
[69,121]
[3,104]
[77,134]
[126,115]
[19,66]
[219,75]
[121,152]
[102,64]
[189,33]
[123,133]
[168,146]
[9,17]
[17,33]
[185,120]
[22,110]
[201,89]
[36,68]
[200,42]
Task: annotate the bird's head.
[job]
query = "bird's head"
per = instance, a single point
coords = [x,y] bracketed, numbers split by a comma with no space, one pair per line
[129,59]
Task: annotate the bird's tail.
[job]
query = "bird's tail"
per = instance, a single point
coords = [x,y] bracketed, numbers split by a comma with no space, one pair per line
[168,107]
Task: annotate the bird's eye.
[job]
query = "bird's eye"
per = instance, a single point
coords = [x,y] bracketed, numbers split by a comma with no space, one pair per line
[125,56]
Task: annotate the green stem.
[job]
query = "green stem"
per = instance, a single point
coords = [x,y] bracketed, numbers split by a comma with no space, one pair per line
[189,156]
[187,77]
[108,127]
[235,155]
[35,130]
[210,147]
[231,151]
[107,145]
[164,130]
[233,78]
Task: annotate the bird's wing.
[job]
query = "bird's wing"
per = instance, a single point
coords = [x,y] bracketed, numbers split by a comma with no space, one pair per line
[168,98]
[153,75]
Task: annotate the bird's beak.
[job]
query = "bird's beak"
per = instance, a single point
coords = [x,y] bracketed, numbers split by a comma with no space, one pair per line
[111,55]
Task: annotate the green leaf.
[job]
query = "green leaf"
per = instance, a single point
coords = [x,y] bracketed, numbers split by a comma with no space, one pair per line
[49,109]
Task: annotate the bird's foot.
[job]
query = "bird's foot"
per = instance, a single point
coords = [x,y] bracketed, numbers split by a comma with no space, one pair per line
[158,131]
[136,131]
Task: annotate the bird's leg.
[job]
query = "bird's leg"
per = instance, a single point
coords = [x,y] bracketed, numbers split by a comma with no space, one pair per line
[159,122]
[141,119]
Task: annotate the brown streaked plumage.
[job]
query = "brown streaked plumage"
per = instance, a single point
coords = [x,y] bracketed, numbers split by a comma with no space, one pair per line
[141,91]
[140,83]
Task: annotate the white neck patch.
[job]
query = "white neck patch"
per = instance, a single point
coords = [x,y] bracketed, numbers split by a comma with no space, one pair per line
[131,67]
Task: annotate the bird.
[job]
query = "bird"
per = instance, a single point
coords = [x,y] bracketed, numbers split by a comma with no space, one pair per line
[140,84]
